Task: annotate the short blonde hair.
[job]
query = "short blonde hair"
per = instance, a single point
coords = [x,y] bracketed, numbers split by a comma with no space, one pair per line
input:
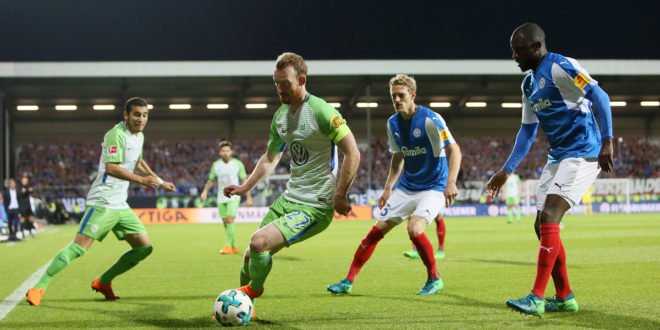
[404,80]
[293,59]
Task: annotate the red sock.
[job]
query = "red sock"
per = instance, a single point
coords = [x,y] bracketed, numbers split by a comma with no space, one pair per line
[548,251]
[440,230]
[426,253]
[364,252]
[559,274]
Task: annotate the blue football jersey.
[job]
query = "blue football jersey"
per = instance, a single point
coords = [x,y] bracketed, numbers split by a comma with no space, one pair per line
[554,96]
[421,140]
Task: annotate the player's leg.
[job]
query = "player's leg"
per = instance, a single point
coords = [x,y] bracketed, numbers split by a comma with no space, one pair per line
[83,240]
[440,230]
[412,253]
[224,214]
[429,204]
[128,228]
[232,210]
[509,209]
[516,206]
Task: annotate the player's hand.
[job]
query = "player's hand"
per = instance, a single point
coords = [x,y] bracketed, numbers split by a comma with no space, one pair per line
[450,193]
[234,190]
[496,182]
[342,206]
[149,181]
[248,202]
[382,200]
[169,186]
[203,196]
[606,156]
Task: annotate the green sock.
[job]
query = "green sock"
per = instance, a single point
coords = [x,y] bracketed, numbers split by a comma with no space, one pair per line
[127,261]
[260,265]
[511,215]
[518,215]
[245,274]
[231,234]
[61,260]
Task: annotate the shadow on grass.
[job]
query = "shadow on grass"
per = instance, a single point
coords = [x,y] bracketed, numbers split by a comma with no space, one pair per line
[596,319]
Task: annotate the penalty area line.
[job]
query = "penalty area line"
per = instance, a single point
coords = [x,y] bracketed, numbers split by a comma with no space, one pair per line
[18,295]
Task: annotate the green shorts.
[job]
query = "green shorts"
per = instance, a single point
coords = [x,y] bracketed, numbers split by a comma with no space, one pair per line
[513,200]
[98,221]
[228,209]
[297,222]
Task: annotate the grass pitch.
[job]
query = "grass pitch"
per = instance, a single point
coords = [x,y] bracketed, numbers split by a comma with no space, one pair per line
[613,264]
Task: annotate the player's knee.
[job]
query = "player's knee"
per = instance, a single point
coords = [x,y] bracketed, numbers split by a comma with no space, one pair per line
[550,215]
[258,243]
[143,251]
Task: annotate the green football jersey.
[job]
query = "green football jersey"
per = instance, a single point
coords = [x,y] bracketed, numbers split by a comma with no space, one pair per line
[227,174]
[119,146]
[311,134]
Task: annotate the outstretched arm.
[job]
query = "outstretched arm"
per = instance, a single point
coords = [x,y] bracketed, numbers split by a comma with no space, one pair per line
[349,167]
[264,168]
[524,141]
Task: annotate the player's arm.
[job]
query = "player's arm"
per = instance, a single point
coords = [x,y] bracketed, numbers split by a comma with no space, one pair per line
[603,112]
[349,167]
[248,195]
[455,157]
[523,143]
[396,167]
[264,168]
[143,168]
[205,191]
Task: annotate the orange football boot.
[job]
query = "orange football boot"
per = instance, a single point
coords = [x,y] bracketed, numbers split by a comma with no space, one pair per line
[105,289]
[235,250]
[226,250]
[34,296]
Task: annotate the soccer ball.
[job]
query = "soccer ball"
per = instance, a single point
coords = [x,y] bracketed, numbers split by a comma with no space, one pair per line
[233,308]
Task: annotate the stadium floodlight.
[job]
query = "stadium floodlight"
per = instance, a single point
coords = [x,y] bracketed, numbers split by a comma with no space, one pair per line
[150,106]
[618,103]
[440,104]
[335,104]
[66,107]
[511,105]
[650,103]
[367,105]
[180,107]
[27,107]
[217,106]
[103,107]
[256,105]
[475,104]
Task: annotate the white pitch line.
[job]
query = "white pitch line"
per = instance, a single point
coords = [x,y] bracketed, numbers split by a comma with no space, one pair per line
[18,295]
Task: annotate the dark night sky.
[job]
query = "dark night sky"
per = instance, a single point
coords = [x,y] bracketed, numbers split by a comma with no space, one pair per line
[135,30]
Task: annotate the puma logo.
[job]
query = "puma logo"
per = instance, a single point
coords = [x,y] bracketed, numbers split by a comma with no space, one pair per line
[558,185]
[545,248]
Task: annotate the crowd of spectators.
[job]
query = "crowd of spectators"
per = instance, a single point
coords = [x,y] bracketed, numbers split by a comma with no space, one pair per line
[58,169]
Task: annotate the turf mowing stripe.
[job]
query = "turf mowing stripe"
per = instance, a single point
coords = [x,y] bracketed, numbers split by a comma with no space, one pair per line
[19,294]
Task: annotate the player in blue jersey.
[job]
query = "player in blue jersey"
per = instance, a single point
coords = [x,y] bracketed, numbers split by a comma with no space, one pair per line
[417,137]
[561,97]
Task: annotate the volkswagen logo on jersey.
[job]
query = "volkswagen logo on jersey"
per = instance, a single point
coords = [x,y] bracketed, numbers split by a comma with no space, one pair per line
[417,132]
[299,154]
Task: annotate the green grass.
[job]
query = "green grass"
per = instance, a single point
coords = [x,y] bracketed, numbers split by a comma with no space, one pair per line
[613,264]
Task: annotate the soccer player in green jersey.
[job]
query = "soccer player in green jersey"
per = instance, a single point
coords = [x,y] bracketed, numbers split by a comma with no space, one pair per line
[312,130]
[106,207]
[511,190]
[227,171]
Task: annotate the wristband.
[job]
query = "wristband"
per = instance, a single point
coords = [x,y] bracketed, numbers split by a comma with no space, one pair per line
[160,181]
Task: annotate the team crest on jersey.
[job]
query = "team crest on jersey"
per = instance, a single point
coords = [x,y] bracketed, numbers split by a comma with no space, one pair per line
[336,121]
[581,80]
[542,83]
[112,151]
[417,132]
[302,128]
[299,153]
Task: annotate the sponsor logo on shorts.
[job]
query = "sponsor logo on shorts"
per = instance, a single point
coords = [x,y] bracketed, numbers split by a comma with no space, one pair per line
[581,80]
[336,121]
[112,151]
